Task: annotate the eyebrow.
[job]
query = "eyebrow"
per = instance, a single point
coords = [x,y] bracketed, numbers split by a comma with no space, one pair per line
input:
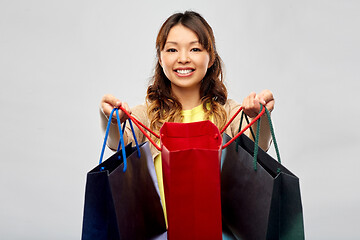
[193,42]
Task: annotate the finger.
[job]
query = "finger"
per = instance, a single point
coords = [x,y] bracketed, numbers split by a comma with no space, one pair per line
[266,95]
[108,102]
[119,104]
[106,109]
[270,105]
[251,96]
[260,99]
[247,103]
[124,116]
[255,107]
[251,105]
[111,100]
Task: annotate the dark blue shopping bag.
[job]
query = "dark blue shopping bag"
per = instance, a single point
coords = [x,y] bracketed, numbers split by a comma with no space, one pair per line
[121,196]
[260,197]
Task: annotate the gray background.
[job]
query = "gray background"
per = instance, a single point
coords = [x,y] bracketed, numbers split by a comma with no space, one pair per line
[58,58]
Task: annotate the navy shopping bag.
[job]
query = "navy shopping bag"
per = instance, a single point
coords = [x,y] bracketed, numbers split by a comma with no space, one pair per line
[121,196]
[260,197]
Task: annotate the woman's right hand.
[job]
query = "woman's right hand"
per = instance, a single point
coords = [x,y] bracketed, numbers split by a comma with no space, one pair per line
[109,102]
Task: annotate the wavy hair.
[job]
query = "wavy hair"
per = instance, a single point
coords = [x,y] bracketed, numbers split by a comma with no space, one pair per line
[163,106]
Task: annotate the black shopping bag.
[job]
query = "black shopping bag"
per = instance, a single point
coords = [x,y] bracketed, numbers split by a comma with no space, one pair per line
[123,204]
[258,204]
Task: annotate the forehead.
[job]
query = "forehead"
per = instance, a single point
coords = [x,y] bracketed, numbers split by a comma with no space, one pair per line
[181,34]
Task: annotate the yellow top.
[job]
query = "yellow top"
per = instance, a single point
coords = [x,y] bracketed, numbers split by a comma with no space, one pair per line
[193,115]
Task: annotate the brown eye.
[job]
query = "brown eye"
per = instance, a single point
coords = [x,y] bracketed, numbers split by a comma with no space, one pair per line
[196,50]
[171,50]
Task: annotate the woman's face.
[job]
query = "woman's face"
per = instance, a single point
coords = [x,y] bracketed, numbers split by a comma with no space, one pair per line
[183,59]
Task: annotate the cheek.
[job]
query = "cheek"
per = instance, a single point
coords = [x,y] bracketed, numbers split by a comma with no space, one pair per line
[165,65]
[205,61]
[165,62]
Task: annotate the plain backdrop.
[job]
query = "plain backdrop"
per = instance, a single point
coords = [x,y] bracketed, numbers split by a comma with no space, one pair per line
[58,58]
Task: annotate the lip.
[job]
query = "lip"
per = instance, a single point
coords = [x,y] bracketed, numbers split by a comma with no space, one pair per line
[184,75]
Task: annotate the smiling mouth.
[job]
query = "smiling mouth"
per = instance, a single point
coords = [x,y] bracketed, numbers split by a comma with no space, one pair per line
[184,71]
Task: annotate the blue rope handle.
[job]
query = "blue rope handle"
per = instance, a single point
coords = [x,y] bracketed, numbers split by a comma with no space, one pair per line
[133,132]
[106,136]
[136,142]
[123,130]
[121,138]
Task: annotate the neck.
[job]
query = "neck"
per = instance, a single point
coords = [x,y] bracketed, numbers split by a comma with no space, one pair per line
[188,98]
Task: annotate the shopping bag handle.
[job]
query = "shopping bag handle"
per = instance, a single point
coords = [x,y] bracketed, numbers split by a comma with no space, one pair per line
[133,132]
[256,147]
[121,138]
[123,130]
[262,111]
[230,121]
[243,115]
[273,135]
[141,127]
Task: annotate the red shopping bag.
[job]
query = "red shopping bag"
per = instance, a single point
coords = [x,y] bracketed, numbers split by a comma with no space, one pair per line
[191,169]
[191,173]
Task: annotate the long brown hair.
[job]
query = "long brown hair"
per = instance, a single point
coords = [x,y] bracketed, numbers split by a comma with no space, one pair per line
[162,104]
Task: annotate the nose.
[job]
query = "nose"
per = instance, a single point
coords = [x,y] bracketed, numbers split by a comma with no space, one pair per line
[183,57]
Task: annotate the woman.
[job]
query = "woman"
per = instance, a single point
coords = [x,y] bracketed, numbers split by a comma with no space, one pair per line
[187,86]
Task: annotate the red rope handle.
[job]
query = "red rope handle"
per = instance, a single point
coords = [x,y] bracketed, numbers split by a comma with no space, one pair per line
[245,128]
[141,126]
[232,119]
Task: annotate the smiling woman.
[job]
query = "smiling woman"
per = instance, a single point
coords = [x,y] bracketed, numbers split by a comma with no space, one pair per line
[186,42]
[187,86]
[188,74]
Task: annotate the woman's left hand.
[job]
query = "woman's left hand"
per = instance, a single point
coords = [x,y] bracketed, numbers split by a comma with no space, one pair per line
[251,104]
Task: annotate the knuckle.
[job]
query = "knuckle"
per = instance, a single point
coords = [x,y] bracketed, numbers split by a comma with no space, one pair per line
[268,92]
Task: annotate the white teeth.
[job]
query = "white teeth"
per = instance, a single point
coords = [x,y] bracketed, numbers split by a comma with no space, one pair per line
[184,71]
